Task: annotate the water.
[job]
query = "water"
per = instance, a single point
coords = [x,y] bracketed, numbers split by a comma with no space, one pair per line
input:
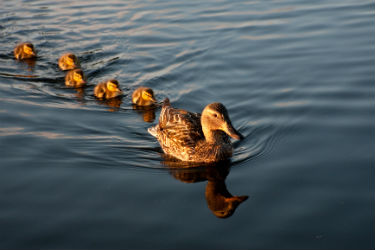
[296,76]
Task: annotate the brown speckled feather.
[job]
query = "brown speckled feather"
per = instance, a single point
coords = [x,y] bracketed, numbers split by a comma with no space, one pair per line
[179,131]
[180,135]
[182,126]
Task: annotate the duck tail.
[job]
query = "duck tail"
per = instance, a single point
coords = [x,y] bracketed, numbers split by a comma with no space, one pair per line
[153,131]
[164,114]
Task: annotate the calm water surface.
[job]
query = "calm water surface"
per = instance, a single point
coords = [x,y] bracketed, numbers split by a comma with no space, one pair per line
[296,76]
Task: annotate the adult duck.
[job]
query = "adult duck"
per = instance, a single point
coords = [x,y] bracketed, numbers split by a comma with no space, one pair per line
[193,137]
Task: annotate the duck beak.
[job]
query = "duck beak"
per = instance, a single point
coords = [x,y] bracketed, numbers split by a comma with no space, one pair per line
[118,92]
[232,132]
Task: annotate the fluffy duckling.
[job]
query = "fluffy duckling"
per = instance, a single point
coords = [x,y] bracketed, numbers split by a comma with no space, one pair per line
[68,61]
[75,78]
[193,137]
[108,89]
[24,51]
[143,96]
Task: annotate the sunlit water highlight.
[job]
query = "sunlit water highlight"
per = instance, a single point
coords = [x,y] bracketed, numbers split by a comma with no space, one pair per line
[296,77]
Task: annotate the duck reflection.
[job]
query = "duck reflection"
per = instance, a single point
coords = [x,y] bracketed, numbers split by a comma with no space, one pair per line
[219,200]
[147,112]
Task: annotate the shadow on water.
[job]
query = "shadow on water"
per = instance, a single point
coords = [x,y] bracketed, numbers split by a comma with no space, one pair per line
[219,200]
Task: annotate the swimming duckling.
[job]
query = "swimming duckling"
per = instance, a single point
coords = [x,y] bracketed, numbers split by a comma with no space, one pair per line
[193,137]
[108,89]
[24,51]
[75,78]
[143,96]
[68,61]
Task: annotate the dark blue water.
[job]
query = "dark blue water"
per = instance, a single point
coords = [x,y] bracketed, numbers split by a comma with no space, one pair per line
[297,78]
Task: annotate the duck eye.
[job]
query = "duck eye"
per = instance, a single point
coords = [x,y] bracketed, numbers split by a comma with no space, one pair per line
[77,76]
[112,86]
[146,95]
[215,115]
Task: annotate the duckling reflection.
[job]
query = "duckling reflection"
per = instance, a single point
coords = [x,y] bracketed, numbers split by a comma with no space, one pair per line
[30,62]
[219,200]
[81,93]
[147,113]
[113,103]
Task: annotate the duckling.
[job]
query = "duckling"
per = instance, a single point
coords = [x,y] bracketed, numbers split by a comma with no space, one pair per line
[68,61]
[195,137]
[24,51]
[108,89]
[143,96]
[75,78]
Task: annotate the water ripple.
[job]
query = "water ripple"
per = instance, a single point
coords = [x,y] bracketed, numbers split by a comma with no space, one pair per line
[297,80]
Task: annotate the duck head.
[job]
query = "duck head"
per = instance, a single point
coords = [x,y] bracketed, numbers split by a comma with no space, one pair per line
[114,87]
[78,77]
[215,117]
[28,49]
[148,95]
[70,60]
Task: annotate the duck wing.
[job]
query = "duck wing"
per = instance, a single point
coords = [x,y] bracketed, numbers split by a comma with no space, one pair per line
[180,127]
